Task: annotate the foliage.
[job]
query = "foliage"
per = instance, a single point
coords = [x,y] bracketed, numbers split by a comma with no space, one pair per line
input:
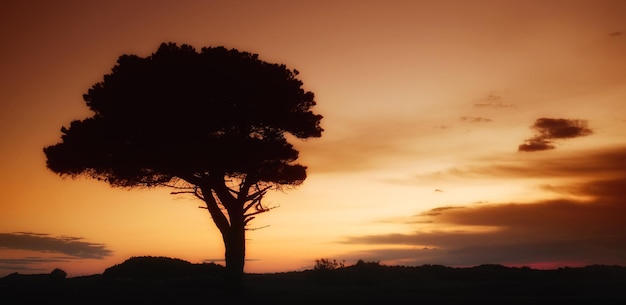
[323,264]
[180,114]
[362,263]
[58,274]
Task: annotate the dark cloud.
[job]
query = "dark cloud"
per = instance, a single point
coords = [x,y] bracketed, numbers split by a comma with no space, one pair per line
[73,247]
[593,163]
[586,228]
[611,161]
[536,144]
[48,249]
[561,128]
[551,231]
[549,129]
[33,260]
[470,119]
[30,264]
[614,34]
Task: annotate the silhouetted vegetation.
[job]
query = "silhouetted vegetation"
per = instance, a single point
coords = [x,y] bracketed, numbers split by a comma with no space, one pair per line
[58,274]
[159,280]
[323,264]
[209,123]
[150,268]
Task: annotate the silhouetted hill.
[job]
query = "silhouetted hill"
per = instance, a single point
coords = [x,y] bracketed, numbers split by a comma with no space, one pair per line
[150,267]
[160,280]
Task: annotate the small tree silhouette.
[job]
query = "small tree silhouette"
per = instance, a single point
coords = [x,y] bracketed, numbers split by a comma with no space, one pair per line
[209,123]
[58,274]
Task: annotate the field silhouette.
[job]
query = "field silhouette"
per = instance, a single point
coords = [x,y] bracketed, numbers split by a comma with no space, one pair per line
[161,280]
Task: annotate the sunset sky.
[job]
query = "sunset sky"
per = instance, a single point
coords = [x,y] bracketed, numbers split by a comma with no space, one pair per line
[456,132]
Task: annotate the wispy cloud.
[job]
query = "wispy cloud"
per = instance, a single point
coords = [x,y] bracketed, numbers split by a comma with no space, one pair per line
[492,100]
[593,163]
[73,247]
[43,249]
[569,164]
[472,119]
[31,263]
[550,129]
[588,228]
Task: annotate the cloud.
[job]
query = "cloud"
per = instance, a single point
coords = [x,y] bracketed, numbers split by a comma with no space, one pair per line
[587,228]
[475,119]
[518,234]
[47,249]
[492,101]
[536,144]
[549,129]
[29,264]
[561,128]
[436,211]
[593,163]
[569,164]
[73,247]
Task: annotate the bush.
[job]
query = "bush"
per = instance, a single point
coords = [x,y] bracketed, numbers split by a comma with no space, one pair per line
[150,267]
[327,264]
[363,264]
[58,274]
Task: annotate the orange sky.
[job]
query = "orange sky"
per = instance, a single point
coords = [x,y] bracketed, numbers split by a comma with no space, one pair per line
[426,105]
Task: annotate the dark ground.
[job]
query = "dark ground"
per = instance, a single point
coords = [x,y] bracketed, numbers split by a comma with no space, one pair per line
[150,280]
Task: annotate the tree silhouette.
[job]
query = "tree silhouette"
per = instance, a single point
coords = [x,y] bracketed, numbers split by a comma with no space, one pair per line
[211,123]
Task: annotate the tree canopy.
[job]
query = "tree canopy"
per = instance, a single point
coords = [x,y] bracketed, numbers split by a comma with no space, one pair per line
[179,113]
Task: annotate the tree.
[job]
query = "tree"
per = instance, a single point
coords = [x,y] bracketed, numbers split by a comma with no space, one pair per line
[211,123]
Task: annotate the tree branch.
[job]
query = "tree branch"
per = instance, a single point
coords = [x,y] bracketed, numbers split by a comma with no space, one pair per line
[260,210]
[244,189]
[217,184]
[259,192]
[259,228]
[218,216]
[254,202]
[183,192]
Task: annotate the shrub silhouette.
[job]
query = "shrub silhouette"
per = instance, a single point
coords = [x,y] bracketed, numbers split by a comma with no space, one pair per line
[323,264]
[58,274]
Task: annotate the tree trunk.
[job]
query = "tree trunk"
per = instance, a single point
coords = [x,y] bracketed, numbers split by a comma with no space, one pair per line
[235,244]
[233,232]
